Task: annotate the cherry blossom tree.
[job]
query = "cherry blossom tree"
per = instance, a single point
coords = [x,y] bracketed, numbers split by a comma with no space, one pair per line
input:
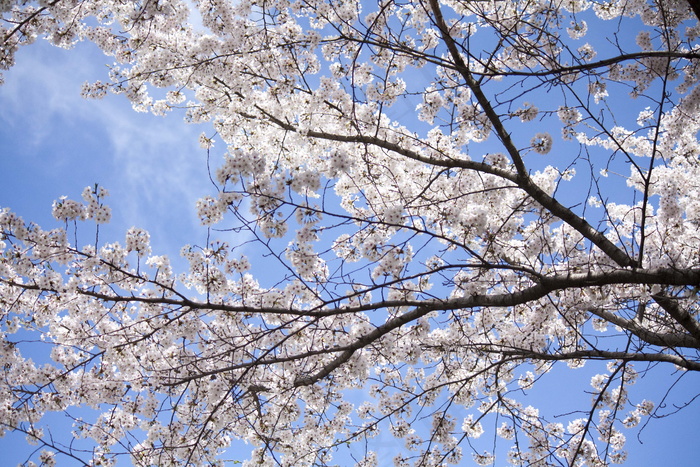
[419,210]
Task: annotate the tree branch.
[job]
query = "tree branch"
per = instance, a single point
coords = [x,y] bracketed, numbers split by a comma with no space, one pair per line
[695,6]
[595,354]
[523,179]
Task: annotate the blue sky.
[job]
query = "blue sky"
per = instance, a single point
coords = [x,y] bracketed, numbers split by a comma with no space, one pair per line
[54,143]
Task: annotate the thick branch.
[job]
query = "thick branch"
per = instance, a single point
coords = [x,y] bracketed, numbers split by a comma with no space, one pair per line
[595,354]
[680,315]
[553,71]
[362,342]
[393,147]
[695,6]
[542,287]
[565,70]
[654,338]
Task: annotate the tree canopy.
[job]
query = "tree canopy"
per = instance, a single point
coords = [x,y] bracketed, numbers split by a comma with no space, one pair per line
[420,208]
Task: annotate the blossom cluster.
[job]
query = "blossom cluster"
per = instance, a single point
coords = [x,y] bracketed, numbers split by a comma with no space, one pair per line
[409,246]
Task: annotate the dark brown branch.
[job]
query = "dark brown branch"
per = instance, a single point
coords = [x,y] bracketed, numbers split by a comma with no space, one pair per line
[695,6]
[393,147]
[669,339]
[362,342]
[544,286]
[680,315]
[595,354]
[566,70]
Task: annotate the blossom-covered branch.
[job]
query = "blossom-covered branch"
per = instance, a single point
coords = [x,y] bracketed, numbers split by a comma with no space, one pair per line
[420,211]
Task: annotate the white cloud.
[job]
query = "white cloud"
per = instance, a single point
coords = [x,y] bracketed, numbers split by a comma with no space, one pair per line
[153,166]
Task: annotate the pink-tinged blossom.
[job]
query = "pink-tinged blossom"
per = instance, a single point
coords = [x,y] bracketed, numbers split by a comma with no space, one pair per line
[542,143]
[137,240]
[378,248]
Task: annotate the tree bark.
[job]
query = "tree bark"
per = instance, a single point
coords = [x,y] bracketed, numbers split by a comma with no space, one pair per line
[695,6]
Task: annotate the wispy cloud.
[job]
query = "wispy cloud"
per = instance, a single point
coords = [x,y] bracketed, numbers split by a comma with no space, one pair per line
[153,166]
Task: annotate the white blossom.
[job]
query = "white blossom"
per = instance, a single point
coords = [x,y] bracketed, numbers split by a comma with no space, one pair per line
[377,250]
